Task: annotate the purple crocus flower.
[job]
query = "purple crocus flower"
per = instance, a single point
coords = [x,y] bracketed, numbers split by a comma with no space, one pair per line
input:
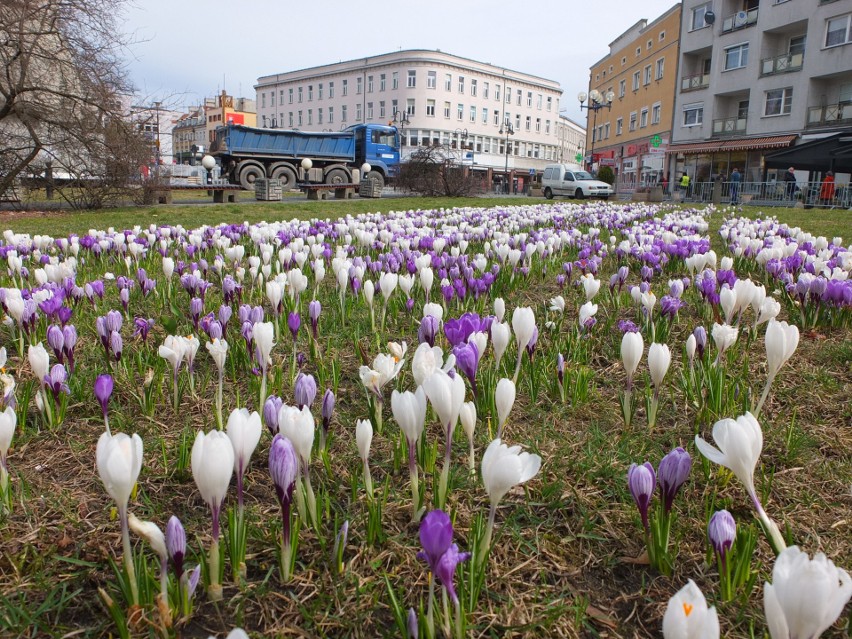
[700,340]
[69,335]
[560,369]
[533,341]
[327,409]
[436,536]
[641,481]
[722,532]
[284,468]
[669,306]
[225,313]
[305,390]
[124,298]
[270,413]
[467,361]
[428,330]
[103,391]
[672,473]
[446,569]
[113,321]
[413,630]
[294,321]
[143,326]
[116,344]
[196,308]
[57,381]
[176,545]
[626,326]
[64,314]
[56,341]
[459,330]
[314,309]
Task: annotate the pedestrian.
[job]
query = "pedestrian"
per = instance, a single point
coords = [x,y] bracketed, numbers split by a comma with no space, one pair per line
[684,184]
[826,191]
[790,186]
[735,180]
[666,184]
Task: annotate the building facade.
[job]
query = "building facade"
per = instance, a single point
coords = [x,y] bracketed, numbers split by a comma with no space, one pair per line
[157,125]
[190,131]
[641,71]
[756,77]
[571,141]
[500,122]
[225,109]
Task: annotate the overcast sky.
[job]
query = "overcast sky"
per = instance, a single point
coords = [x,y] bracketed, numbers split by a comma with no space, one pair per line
[189,49]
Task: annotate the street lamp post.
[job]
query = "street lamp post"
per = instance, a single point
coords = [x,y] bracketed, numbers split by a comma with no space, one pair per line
[595,102]
[401,118]
[461,136]
[509,131]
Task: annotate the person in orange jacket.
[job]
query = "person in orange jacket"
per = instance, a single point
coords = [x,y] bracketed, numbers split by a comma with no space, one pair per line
[826,191]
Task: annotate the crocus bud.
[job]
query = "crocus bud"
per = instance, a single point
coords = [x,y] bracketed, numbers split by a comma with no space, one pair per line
[641,481]
[700,340]
[722,532]
[363,438]
[103,391]
[436,535]
[176,544]
[305,390]
[504,397]
[659,359]
[781,342]
[413,630]
[632,346]
[690,348]
[672,473]
[271,408]
[294,321]
[327,409]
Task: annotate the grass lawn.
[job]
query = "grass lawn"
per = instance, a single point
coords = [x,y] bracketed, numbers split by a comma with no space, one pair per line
[568,554]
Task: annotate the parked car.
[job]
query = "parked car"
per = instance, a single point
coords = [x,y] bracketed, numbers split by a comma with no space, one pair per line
[571,181]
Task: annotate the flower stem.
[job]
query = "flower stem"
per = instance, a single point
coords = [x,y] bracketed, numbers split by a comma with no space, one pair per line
[128,555]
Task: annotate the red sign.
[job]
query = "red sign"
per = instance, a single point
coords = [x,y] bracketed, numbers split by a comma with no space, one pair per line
[236,118]
[604,154]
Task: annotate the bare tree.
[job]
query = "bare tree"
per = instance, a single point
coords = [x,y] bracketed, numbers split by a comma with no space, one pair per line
[434,171]
[61,82]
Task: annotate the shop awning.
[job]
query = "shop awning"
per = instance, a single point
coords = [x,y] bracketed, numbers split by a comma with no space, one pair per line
[773,142]
[696,147]
[830,153]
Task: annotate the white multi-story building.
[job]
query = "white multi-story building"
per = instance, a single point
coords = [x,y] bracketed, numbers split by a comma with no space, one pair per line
[473,109]
[156,123]
[571,141]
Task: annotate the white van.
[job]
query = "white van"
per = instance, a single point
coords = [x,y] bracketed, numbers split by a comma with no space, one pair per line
[571,181]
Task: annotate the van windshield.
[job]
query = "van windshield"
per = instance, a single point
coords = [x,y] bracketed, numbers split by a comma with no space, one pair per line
[582,175]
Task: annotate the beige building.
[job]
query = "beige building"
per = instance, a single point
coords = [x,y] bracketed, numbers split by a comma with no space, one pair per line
[641,71]
[190,131]
[490,118]
[571,141]
[225,109]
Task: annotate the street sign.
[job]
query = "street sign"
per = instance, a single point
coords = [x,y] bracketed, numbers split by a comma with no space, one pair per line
[532,172]
[656,141]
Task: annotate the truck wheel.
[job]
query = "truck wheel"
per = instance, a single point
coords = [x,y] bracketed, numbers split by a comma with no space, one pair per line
[548,193]
[286,175]
[578,194]
[248,174]
[336,176]
[377,177]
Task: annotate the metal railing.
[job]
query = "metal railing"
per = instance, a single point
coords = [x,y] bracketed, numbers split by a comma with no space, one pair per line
[729,126]
[740,20]
[778,193]
[830,114]
[694,82]
[782,63]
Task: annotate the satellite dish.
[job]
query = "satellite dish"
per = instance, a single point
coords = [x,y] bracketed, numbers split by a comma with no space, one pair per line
[740,19]
[709,17]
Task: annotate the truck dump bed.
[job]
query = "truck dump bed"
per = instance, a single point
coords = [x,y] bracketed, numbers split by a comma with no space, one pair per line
[237,140]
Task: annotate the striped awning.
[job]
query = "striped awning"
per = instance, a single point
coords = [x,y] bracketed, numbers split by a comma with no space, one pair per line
[774,142]
[695,147]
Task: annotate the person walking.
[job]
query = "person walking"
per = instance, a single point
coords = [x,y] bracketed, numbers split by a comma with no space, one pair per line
[735,180]
[666,184]
[684,184]
[826,191]
[790,186]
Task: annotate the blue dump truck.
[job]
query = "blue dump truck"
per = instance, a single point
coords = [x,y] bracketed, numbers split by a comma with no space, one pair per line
[247,154]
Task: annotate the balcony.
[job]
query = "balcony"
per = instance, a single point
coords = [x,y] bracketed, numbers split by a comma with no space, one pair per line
[695,82]
[830,115]
[740,20]
[729,126]
[782,64]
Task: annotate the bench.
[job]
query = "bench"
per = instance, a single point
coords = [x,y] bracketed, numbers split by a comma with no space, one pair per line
[11,195]
[164,195]
[341,191]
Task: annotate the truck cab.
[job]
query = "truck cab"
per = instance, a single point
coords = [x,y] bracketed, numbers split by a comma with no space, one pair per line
[378,146]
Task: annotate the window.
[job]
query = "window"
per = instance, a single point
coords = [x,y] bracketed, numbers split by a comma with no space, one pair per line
[272,98]
[461,84]
[359,86]
[358,112]
[395,80]
[736,57]
[549,102]
[520,95]
[693,114]
[448,82]
[319,91]
[290,96]
[300,95]
[529,98]
[331,115]
[300,118]
[430,108]
[369,110]
[409,106]
[497,92]
[460,112]
[538,101]
[484,115]
[394,107]
[632,126]
[636,81]
[263,100]
[638,51]
[473,87]
[343,116]
[660,64]
[446,110]
[797,45]
[643,118]
[485,90]
[331,89]
[369,84]
[431,79]
[473,114]
[650,44]
[606,131]
[281,97]
[547,126]
[381,108]
[655,113]
[319,116]
[742,109]
[779,101]
[619,126]
[345,88]
[310,116]
[662,35]
[382,82]
[310,92]
[698,13]
[496,117]
[647,75]
[838,30]
[290,118]
[538,125]
[508,95]
[622,88]
[528,122]
[623,61]
[412,79]
[518,121]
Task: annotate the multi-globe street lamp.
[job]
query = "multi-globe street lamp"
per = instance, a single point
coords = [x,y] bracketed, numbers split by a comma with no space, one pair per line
[595,101]
[507,128]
